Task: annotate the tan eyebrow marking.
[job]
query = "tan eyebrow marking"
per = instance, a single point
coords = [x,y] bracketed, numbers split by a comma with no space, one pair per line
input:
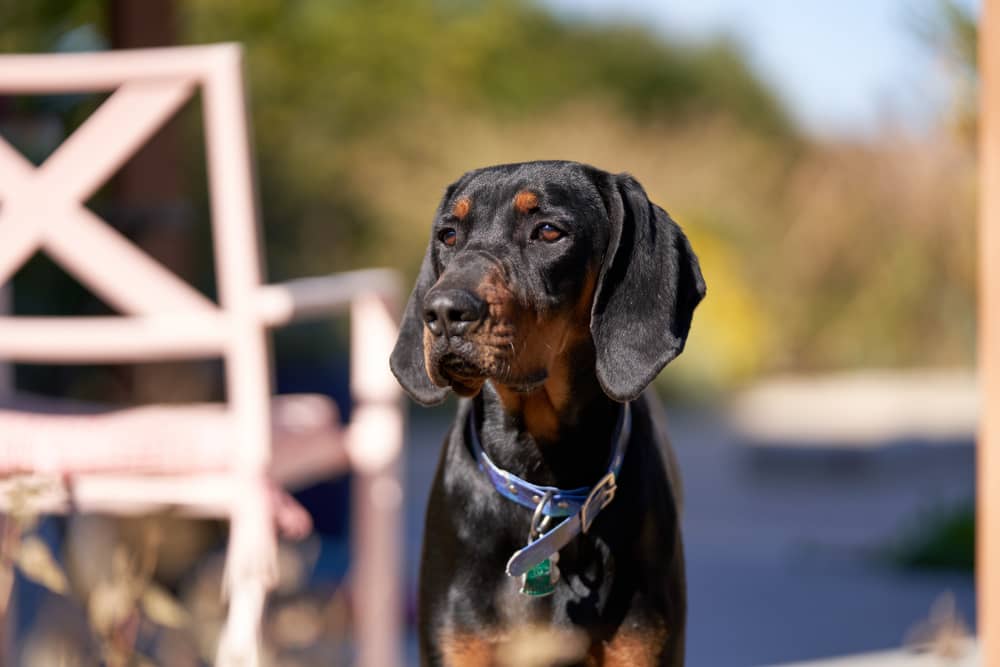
[525,201]
[461,208]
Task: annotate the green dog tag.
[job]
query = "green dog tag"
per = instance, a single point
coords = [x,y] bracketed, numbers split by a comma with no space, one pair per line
[540,580]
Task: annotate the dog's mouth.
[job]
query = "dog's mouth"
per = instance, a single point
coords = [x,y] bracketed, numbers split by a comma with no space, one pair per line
[457,366]
[465,367]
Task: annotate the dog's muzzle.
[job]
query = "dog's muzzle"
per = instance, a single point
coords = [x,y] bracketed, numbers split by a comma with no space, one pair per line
[451,317]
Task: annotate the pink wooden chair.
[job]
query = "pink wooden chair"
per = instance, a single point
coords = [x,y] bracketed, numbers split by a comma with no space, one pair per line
[230,460]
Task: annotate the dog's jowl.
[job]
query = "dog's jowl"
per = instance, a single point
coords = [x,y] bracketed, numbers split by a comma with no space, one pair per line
[551,294]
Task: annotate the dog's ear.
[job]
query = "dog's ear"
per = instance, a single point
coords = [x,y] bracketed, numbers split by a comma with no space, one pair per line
[407,359]
[646,294]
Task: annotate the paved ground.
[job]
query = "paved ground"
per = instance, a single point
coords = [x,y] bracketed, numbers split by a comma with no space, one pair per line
[966,654]
[782,546]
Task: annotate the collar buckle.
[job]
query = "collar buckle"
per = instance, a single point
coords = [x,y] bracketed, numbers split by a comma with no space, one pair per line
[600,497]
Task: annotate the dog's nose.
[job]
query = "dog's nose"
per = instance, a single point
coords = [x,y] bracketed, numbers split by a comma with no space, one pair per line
[453,312]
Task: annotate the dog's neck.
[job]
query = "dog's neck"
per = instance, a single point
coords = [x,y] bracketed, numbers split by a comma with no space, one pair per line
[558,435]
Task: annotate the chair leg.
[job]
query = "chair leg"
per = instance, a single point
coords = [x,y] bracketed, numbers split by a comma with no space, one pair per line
[376,570]
[251,571]
[239,645]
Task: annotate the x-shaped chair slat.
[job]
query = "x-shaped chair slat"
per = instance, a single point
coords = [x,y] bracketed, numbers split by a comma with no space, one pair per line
[43,207]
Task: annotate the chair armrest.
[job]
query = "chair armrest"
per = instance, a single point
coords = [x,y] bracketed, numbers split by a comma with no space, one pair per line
[308,298]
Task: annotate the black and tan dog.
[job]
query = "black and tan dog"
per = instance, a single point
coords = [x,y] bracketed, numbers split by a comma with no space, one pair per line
[550,296]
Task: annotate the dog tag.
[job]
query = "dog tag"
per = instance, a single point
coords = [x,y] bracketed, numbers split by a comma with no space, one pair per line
[541,580]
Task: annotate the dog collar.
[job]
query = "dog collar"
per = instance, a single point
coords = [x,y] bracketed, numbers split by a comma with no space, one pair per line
[577,507]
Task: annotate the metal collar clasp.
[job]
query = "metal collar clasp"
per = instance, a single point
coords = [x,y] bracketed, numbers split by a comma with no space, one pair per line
[600,497]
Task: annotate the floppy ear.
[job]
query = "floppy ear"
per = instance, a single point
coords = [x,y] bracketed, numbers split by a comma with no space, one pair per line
[648,288]
[407,360]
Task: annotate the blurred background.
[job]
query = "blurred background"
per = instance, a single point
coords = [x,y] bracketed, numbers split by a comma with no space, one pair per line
[821,158]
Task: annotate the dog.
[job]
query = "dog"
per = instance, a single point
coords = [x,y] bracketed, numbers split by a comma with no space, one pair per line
[550,295]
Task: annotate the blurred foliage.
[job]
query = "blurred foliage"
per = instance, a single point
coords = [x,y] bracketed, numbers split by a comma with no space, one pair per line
[332,80]
[817,254]
[942,539]
[39,25]
[952,30]
[129,597]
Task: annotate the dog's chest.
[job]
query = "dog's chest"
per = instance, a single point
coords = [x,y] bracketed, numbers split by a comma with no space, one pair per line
[580,596]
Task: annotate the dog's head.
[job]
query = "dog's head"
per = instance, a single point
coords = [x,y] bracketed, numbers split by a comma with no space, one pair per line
[528,260]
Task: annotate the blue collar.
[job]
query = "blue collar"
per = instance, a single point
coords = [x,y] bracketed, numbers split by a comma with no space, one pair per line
[578,507]
[564,502]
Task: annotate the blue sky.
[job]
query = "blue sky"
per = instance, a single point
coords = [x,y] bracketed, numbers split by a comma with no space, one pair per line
[843,67]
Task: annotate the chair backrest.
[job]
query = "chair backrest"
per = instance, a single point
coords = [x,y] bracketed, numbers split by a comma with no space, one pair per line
[43,209]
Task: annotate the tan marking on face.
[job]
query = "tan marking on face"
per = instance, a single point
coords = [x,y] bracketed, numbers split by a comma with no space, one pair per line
[586,301]
[463,649]
[525,201]
[465,387]
[461,208]
[548,343]
[492,340]
[431,369]
[496,338]
[514,346]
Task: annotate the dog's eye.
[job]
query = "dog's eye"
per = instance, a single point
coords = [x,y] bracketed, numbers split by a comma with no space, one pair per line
[548,233]
[448,236]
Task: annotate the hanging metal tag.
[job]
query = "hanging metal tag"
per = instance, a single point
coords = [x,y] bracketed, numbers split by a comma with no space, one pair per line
[540,580]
